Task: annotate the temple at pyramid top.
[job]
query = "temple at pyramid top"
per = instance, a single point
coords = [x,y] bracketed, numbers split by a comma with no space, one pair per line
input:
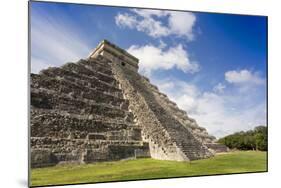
[115,54]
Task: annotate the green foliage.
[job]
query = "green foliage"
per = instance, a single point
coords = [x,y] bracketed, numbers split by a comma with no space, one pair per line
[232,162]
[250,140]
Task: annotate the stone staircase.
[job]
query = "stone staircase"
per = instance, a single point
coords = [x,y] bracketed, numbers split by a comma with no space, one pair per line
[200,133]
[79,115]
[168,138]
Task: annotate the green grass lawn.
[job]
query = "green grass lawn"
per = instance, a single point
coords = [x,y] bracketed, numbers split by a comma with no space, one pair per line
[234,162]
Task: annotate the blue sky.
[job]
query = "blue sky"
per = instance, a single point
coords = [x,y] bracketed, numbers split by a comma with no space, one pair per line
[212,65]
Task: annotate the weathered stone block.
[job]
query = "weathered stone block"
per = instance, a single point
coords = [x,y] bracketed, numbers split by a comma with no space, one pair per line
[42,158]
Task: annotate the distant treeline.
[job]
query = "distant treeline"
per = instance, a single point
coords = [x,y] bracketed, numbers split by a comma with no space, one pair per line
[250,140]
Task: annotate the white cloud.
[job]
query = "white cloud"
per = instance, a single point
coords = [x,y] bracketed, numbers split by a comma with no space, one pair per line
[151,22]
[149,13]
[219,88]
[217,112]
[155,58]
[148,25]
[243,77]
[181,23]
[125,20]
[54,42]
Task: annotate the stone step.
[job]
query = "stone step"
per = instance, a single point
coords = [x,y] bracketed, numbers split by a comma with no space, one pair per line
[45,98]
[94,65]
[62,143]
[118,120]
[74,126]
[74,106]
[89,72]
[80,79]
[131,134]
[49,151]
[74,129]
[86,120]
[58,87]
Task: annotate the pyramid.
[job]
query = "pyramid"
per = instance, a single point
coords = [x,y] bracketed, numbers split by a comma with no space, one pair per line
[101,109]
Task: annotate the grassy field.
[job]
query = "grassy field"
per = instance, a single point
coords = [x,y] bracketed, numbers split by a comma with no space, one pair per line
[234,162]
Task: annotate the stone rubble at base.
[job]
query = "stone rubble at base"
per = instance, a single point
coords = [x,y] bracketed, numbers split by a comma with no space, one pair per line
[101,109]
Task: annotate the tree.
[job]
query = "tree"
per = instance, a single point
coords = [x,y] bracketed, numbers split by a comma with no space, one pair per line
[250,140]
